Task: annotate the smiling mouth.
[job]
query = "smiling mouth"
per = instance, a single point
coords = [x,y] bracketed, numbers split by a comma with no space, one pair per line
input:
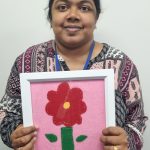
[73,28]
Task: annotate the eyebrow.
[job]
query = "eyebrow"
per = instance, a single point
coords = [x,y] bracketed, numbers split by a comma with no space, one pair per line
[87,1]
[82,1]
[60,1]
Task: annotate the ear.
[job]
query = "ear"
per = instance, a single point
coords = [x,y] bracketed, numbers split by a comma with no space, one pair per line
[95,24]
[51,24]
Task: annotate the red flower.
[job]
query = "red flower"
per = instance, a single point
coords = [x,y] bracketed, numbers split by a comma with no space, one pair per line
[66,105]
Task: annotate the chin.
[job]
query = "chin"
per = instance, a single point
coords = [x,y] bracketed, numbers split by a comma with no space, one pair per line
[75,41]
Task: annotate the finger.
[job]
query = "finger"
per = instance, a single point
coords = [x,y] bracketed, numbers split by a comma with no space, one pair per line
[113,140]
[113,131]
[22,141]
[30,145]
[111,147]
[22,131]
[109,140]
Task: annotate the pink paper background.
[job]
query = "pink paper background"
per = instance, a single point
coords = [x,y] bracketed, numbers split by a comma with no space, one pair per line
[93,120]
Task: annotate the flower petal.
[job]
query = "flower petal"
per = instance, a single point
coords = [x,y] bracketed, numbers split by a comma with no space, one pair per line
[78,119]
[51,108]
[52,95]
[57,121]
[63,89]
[68,121]
[75,94]
[71,119]
[83,107]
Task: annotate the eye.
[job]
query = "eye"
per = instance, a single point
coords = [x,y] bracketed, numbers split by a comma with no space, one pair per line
[62,7]
[85,8]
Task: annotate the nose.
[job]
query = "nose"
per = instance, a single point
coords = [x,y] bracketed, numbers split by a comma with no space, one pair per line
[73,15]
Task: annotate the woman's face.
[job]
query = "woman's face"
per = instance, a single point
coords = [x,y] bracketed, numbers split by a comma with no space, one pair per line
[73,21]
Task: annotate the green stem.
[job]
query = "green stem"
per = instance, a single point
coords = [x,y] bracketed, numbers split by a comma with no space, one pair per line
[67,138]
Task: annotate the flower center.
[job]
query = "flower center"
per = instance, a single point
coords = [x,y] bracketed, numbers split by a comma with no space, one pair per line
[66,105]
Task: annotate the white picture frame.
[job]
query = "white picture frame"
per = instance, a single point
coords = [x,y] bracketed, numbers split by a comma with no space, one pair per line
[106,74]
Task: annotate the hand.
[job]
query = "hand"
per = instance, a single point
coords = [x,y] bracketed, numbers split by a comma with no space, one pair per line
[114,136]
[23,138]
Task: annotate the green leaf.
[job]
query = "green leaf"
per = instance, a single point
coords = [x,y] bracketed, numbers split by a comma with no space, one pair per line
[51,137]
[81,138]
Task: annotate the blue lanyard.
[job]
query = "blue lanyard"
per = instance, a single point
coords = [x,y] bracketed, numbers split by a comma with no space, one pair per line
[58,66]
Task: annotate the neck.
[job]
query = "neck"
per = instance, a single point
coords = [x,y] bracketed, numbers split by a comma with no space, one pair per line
[73,51]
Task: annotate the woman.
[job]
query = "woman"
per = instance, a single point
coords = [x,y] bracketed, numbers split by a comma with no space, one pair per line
[73,23]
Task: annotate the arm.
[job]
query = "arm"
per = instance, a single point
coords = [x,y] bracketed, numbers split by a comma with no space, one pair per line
[13,133]
[135,119]
[129,109]
[11,106]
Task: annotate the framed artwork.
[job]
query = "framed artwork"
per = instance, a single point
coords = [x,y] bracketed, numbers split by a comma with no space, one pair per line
[70,108]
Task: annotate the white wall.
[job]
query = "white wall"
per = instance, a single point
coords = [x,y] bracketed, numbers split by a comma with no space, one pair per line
[124,24]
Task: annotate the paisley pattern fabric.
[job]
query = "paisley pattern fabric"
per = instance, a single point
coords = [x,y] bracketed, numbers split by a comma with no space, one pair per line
[41,58]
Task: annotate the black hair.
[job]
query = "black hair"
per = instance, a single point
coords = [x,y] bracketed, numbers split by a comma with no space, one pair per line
[96,2]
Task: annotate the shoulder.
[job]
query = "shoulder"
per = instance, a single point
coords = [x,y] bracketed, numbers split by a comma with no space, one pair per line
[118,56]
[112,52]
[33,55]
[123,66]
[42,47]
[112,57]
